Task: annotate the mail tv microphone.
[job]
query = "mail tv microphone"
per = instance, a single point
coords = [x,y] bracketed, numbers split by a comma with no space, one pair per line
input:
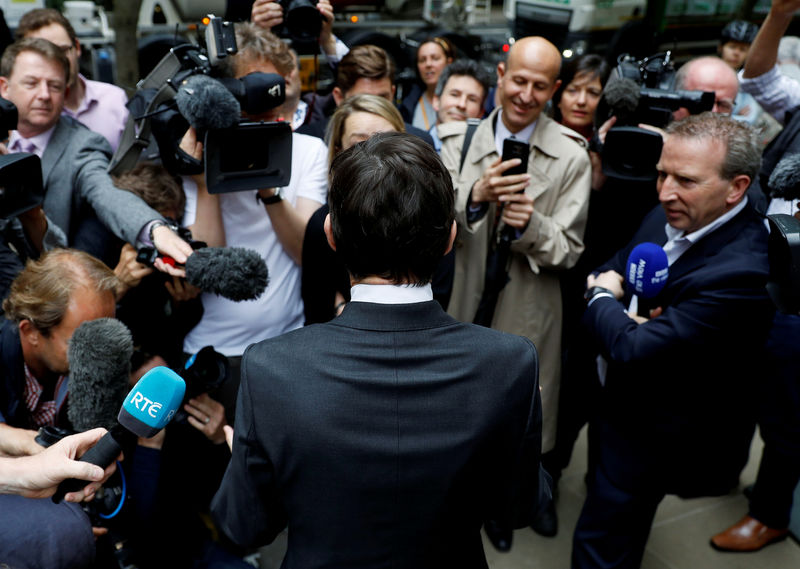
[147,409]
[647,273]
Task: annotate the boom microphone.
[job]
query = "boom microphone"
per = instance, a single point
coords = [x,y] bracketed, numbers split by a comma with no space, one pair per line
[147,409]
[99,355]
[622,97]
[206,104]
[784,182]
[647,273]
[233,272]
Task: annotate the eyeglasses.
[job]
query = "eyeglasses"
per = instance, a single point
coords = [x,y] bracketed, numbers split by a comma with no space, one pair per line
[724,106]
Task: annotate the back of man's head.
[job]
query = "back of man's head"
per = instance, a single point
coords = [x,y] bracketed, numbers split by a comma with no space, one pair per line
[41,293]
[364,62]
[39,18]
[392,208]
[44,48]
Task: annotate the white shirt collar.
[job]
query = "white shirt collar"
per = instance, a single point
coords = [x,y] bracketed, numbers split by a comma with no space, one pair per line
[391,294]
[502,132]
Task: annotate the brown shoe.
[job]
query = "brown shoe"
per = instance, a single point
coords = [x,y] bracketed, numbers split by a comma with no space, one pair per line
[748,534]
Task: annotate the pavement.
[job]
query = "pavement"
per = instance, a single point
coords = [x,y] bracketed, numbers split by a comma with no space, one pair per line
[678,540]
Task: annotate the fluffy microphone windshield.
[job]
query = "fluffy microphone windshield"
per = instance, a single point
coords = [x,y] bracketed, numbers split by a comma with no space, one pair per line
[622,97]
[207,104]
[233,272]
[784,182]
[99,355]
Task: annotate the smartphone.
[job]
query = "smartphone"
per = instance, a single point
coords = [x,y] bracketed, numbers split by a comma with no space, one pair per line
[515,149]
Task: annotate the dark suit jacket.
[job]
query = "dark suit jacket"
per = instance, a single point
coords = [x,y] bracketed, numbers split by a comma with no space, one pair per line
[678,401]
[384,438]
[74,174]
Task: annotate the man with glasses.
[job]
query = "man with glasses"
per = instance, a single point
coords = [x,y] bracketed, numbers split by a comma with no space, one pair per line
[98,105]
[708,73]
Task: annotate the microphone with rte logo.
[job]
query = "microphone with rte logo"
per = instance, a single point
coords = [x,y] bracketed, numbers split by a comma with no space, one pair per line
[147,409]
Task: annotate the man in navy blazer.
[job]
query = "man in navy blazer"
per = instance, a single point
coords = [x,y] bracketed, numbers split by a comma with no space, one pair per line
[385,437]
[676,415]
[33,76]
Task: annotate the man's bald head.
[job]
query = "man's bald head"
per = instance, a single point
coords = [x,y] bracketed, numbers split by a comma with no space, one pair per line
[709,73]
[527,81]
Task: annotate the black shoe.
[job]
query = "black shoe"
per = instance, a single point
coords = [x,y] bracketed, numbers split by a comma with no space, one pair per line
[500,537]
[546,523]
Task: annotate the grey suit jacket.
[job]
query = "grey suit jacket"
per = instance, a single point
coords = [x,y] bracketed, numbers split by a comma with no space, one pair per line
[74,175]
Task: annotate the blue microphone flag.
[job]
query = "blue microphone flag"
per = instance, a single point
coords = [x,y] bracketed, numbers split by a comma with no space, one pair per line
[152,402]
[647,269]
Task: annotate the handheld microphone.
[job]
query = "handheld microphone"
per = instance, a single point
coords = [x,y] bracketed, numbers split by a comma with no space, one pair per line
[206,104]
[233,272]
[99,356]
[784,182]
[647,273]
[147,409]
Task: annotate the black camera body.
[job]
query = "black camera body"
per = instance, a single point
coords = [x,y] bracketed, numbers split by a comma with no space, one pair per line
[630,152]
[302,24]
[158,124]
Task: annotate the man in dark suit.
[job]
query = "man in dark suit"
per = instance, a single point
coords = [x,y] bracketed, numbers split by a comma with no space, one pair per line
[384,438]
[33,76]
[676,415]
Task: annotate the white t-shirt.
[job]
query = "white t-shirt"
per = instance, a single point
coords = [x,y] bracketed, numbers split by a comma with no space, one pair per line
[232,326]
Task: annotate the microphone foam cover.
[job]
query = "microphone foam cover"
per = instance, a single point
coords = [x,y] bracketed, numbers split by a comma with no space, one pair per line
[647,269]
[152,402]
[622,95]
[784,182]
[207,104]
[99,355]
[233,272]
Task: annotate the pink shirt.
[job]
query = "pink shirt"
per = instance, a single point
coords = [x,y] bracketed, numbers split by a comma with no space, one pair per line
[102,109]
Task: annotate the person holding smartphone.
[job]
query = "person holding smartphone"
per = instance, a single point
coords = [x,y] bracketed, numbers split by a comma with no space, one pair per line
[544,210]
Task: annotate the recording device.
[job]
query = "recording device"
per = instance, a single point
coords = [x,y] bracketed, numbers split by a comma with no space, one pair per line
[647,270]
[21,187]
[513,148]
[784,238]
[302,24]
[182,91]
[235,273]
[147,409]
[204,372]
[642,92]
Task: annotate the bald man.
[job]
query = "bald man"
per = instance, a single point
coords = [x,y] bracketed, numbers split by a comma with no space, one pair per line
[542,212]
[709,73]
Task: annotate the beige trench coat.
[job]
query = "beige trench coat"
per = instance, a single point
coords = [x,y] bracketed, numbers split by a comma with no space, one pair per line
[530,304]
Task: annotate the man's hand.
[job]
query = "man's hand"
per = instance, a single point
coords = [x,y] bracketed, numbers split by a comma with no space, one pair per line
[180,290]
[611,280]
[38,476]
[129,271]
[784,7]
[170,244]
[517,211]
[266,13]
[654,312]
[207,416]
[327,40]
[492,184]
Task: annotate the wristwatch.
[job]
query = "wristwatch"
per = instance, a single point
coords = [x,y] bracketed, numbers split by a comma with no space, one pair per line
[274,198]
[596,290]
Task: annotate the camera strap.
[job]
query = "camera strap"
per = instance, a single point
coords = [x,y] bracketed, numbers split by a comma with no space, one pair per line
[136,136]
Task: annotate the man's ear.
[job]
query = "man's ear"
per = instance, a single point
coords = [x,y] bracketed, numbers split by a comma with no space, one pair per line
[4,87]
[29,333]
[737,189]
[326,226]
[78,48]
[453,232]
[338,96]
[435,103]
